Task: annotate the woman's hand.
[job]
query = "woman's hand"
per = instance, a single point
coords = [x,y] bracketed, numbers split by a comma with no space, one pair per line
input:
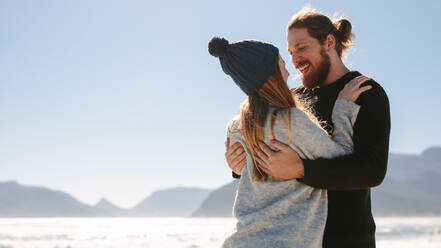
[235,156]
[352,90]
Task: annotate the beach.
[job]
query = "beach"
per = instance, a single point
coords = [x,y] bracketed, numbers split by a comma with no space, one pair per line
[421,232]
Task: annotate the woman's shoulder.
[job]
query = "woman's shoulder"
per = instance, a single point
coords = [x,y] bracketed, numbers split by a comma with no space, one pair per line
[294,111]
[297,118]
[302,121]
[298,115]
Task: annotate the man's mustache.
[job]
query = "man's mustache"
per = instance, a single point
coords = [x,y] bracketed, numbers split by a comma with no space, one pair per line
[301,63]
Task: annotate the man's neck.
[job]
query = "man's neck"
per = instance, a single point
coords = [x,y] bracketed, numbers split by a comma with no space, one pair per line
[336,71]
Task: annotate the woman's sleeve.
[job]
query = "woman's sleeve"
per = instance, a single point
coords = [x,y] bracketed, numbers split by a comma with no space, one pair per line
[233,132]
[311,141]
[344,115]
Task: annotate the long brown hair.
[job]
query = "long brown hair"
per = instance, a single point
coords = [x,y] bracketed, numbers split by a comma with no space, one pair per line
[273,93]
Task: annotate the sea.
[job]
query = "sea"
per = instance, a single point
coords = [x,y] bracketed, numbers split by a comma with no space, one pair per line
[392,232]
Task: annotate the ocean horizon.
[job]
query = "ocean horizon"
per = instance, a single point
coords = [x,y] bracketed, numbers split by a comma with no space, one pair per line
[162,232]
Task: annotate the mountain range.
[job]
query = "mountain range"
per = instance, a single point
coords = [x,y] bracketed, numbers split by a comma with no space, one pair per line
[412,187]
[17,200]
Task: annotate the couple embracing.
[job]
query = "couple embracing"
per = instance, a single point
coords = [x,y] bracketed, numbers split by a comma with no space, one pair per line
[306,157]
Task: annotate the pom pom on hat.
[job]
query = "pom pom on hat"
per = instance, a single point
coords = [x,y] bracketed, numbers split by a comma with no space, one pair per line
[248,62]
[218,47]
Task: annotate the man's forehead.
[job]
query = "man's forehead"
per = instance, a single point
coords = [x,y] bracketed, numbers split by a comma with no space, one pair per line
[296,42]
[298,36]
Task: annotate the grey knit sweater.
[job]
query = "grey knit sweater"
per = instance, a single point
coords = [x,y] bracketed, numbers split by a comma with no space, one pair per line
[279,214]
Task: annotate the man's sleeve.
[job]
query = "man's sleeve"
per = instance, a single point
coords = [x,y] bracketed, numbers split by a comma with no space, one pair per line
[236,176]
[366,166]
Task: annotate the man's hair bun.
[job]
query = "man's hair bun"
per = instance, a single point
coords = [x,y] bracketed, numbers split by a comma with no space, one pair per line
[345,29]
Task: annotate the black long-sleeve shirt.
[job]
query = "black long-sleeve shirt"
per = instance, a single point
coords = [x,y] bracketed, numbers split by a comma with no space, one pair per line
[349,178]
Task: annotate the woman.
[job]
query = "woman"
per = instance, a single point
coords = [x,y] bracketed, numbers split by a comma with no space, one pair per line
[271,212]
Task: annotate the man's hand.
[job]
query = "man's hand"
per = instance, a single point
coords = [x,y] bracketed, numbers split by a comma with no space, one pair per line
[282,164]
[236,156]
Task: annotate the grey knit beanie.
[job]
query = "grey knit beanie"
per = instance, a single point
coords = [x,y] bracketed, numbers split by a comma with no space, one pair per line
[249,62]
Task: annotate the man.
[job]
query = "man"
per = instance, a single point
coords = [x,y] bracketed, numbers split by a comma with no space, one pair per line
[316,45]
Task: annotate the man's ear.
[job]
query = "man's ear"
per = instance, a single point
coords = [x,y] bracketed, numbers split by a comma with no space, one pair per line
[330,42]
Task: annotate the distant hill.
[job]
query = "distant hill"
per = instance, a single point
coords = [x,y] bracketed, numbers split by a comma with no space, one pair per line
[394,198]
[106,208]
[219,202]
[24,201]
[412,187]
[17,200]
[178,201]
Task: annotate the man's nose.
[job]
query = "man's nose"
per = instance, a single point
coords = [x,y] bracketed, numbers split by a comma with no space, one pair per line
[295,58]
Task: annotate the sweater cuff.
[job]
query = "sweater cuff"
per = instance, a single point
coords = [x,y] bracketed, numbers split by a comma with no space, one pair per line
[306,170]
[235,175]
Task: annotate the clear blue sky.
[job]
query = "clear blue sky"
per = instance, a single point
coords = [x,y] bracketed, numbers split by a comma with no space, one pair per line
[118,98]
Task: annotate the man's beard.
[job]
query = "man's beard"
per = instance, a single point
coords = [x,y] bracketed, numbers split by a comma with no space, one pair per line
[318,76]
